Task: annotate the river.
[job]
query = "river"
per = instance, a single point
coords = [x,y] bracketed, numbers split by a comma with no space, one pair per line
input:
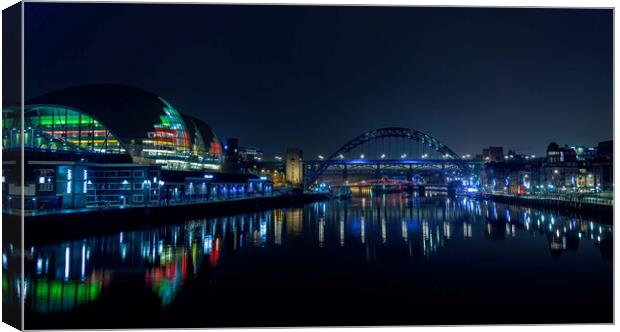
[369,260]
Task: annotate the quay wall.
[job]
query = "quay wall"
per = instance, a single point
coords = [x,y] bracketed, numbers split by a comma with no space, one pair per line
[602,211]
[54,227]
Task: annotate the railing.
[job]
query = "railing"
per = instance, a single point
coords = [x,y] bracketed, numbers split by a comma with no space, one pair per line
[561,198]
[112,205]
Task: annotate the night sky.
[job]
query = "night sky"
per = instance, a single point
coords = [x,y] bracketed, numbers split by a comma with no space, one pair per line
[314,77]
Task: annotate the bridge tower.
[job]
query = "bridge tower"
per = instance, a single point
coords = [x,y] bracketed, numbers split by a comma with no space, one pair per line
[409,172]
[294,167]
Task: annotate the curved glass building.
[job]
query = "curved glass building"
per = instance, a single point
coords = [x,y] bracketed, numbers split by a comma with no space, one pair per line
[102,145]
[116,119]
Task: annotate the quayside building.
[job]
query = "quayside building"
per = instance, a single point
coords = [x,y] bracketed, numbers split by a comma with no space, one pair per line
[109,145]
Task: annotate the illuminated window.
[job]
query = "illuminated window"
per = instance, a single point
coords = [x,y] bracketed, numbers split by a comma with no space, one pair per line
[169,140]
[70,126]
[46,179]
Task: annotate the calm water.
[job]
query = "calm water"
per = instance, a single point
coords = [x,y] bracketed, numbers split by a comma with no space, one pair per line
[381,260]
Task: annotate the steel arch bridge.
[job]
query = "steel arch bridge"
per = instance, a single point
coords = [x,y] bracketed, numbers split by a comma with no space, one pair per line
[448,156]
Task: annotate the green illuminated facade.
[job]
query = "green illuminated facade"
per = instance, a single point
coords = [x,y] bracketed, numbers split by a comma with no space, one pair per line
[74,127]
[114,119]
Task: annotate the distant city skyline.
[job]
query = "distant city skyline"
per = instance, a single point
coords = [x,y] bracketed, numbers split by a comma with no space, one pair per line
[314,77]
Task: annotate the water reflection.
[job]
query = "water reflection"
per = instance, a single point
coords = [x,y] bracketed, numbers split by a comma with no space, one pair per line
[11,284]
[67,275]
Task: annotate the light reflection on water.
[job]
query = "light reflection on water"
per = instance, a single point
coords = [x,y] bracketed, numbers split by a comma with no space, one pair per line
[64,276]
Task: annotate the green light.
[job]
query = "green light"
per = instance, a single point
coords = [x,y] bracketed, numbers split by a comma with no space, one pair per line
[164,120]
[42,290]
[82,295]
[95,290]
[55,289]
[68,299]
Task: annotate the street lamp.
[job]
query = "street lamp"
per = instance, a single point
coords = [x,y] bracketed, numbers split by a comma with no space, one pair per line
[383,156]
[321,157]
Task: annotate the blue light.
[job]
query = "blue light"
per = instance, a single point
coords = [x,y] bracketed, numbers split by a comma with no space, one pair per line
[207,244]
[69,176]
[85,181]
[39,265]
[67,263]
[208,176]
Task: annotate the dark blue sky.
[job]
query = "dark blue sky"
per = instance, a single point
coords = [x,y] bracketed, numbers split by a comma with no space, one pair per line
[314,77]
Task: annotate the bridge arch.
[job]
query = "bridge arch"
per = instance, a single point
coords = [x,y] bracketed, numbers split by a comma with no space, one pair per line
[390,132]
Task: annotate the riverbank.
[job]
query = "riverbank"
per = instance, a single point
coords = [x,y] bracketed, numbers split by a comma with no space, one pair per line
[603,211]
[50,227]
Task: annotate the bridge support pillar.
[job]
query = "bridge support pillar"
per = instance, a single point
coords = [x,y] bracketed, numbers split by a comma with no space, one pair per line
[443,173]
[378,172]
[344,172]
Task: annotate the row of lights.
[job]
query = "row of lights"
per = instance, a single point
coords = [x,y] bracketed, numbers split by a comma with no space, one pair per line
[424,156]
[512,156]
[404,155]
[383,156]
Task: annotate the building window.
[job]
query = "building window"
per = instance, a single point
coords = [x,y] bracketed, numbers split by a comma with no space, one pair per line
[137,186]
[169,138]
[124,173]
[138,198]
[45,181]
[138,174]
[78,129]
